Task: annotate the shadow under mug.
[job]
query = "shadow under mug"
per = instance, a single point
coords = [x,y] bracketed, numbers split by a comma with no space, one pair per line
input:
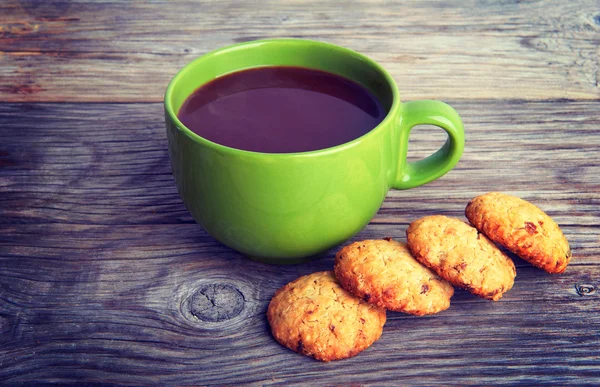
[290,207]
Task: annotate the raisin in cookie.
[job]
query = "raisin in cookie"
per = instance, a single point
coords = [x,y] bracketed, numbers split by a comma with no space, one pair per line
[315,316]
[522,228]
[458,253]
[384,273]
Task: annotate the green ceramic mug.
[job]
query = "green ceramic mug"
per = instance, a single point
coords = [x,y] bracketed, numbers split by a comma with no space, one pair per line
[288,207]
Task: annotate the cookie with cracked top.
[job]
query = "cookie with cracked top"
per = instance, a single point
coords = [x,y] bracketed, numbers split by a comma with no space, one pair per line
[384,273]
[522,228]
[313,315]
[460,254]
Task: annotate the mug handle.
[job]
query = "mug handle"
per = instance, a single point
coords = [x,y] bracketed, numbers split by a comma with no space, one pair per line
[428,112]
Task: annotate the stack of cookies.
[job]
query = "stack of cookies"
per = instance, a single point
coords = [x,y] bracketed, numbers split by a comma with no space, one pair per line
[336,314]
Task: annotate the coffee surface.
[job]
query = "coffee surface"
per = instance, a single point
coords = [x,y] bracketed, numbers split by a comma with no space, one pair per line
[281,110]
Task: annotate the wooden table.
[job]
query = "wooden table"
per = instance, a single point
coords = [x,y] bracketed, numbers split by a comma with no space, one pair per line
[106,279]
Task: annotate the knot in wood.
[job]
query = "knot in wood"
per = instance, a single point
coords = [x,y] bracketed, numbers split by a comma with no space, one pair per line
[585,289]
[216,302]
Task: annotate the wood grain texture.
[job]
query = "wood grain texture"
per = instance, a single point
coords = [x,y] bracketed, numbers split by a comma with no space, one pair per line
[128,51]
[100,261]
[105,279]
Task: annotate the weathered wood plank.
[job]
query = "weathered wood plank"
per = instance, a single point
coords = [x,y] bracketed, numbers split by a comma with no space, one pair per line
[100,261]
[103,273]
[128,51]
[114,310]
[101,163]
[101,299]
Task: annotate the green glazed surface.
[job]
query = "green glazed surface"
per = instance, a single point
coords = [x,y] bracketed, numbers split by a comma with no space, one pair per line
[285,208]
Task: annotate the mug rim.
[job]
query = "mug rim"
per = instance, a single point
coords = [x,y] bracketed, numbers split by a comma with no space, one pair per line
[230,150]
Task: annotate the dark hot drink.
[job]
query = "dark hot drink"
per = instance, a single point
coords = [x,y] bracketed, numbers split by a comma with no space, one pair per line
[281,110]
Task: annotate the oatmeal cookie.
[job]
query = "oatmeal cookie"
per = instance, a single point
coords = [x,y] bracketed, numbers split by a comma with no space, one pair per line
[384,273]
[315,316]
[458,253]
[522,228]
